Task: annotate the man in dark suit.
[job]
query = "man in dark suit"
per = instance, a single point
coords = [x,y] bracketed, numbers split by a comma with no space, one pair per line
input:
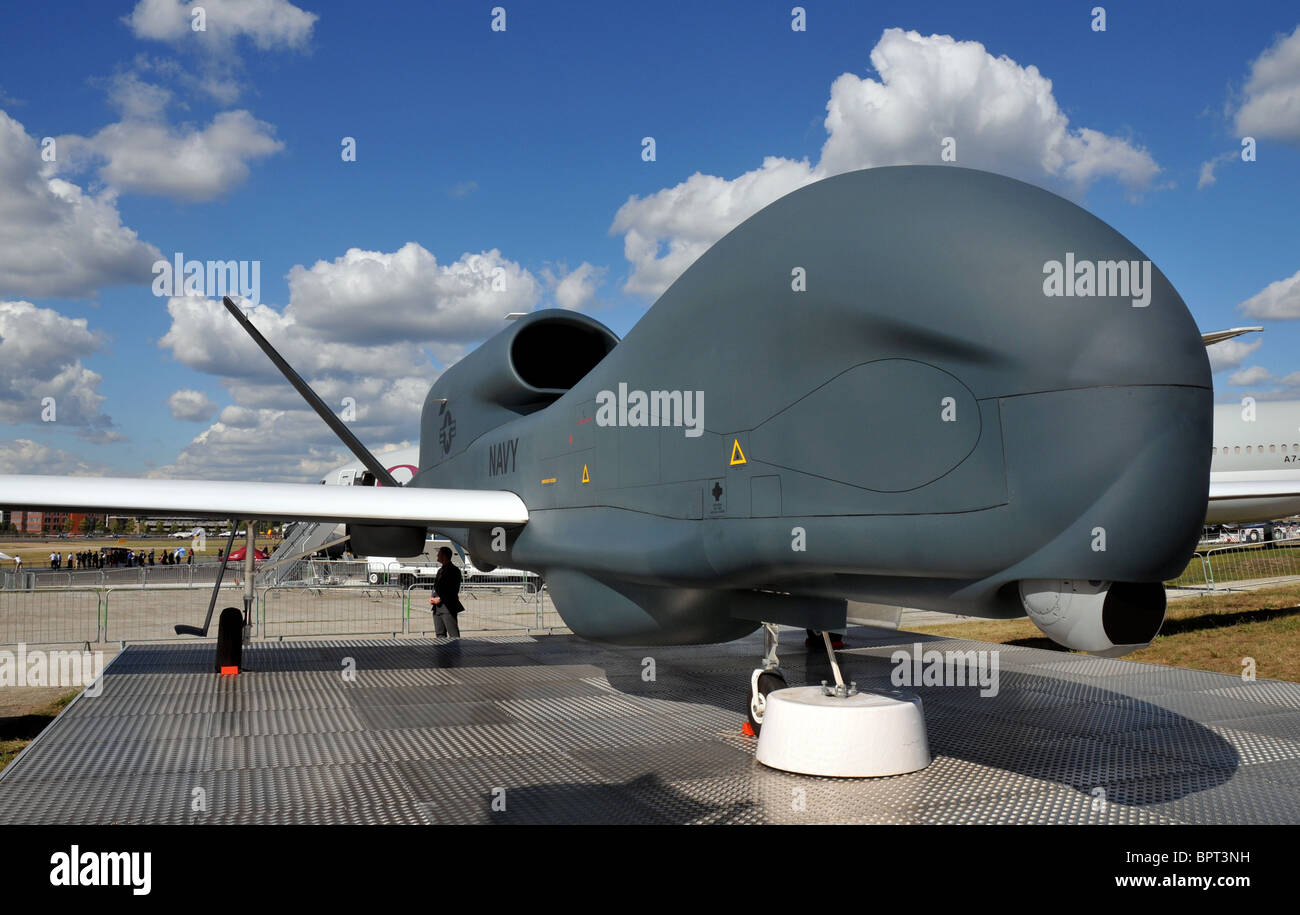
[446,604]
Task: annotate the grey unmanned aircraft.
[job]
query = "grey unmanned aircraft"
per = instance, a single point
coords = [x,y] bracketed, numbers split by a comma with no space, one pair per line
[920,386]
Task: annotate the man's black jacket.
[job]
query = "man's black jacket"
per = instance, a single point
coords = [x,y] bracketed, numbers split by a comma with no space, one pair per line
[446,584]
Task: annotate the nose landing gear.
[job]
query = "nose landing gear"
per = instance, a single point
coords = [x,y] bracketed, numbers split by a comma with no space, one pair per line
[833,730]
[764,680]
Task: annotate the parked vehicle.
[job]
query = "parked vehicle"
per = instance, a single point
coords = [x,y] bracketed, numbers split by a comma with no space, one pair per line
[404,572]
[423,569]
[501,576]
[1256,533]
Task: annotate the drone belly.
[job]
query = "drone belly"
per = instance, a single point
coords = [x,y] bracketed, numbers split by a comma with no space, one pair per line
[626,613]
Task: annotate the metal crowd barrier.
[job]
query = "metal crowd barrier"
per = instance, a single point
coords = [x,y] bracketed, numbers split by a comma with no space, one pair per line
[1196,575]
[1253,561]
[143,614]
[51,616]
[130,608]
[329,573]
[286,611]
[488,608]
[195,576]
[336,598]
[88,578]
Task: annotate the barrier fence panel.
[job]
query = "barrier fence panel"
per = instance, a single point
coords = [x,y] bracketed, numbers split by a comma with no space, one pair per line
[52,578]
[1196,575]
[488,608]
[167,575]
[47,617]
[88,578]
[136,612]
[326,573]
[141,614]
[548,617]
[294,611]
[1275,559]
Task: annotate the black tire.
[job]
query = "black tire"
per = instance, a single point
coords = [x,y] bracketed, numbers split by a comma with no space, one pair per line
[374,578]
[767,682]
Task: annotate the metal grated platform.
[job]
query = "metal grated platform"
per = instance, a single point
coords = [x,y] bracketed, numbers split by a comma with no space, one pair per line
[564,730]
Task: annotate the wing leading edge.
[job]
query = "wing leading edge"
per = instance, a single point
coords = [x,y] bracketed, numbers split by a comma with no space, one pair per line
[1218,336]
[268,501]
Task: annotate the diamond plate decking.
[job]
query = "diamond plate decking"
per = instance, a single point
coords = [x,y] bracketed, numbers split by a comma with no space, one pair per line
[555,729]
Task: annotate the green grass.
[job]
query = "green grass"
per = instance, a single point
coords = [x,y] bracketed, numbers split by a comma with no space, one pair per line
[20,730]
[1214,632]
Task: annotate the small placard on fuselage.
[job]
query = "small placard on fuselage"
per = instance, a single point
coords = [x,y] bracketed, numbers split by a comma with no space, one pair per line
[716,497]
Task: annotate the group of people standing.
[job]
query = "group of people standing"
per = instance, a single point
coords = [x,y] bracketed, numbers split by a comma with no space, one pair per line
[99,559]
[133,558]
[87,559]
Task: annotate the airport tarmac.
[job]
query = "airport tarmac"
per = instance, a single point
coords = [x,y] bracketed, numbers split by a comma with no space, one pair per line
[540,729]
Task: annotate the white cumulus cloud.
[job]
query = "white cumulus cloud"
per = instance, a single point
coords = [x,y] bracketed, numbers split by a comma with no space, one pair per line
[1270,104]
[1209,166]
[185,163]
[370,331]
[1256,374]
[55,239]
[213,60]
[265,445]
[1228,354]
[190,405]
[266,23]
[23,455]
[1280,299]
[372,297]
[667,231]
[576,289]
[42,379]
[1002,116]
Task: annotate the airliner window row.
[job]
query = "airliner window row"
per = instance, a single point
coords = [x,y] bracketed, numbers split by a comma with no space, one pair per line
[1272,449]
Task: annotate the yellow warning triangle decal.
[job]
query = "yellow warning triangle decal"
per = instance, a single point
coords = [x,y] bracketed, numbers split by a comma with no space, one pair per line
[586,477]
[737,456]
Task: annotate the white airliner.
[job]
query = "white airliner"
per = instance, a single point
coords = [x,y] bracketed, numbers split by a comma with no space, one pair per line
[402,463]
[1255,461]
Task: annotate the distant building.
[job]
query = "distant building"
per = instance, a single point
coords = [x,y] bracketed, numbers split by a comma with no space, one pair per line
[36,522]
[48,524]
[79,518]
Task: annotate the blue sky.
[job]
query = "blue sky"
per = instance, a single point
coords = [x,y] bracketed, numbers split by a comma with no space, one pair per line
[226,145]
